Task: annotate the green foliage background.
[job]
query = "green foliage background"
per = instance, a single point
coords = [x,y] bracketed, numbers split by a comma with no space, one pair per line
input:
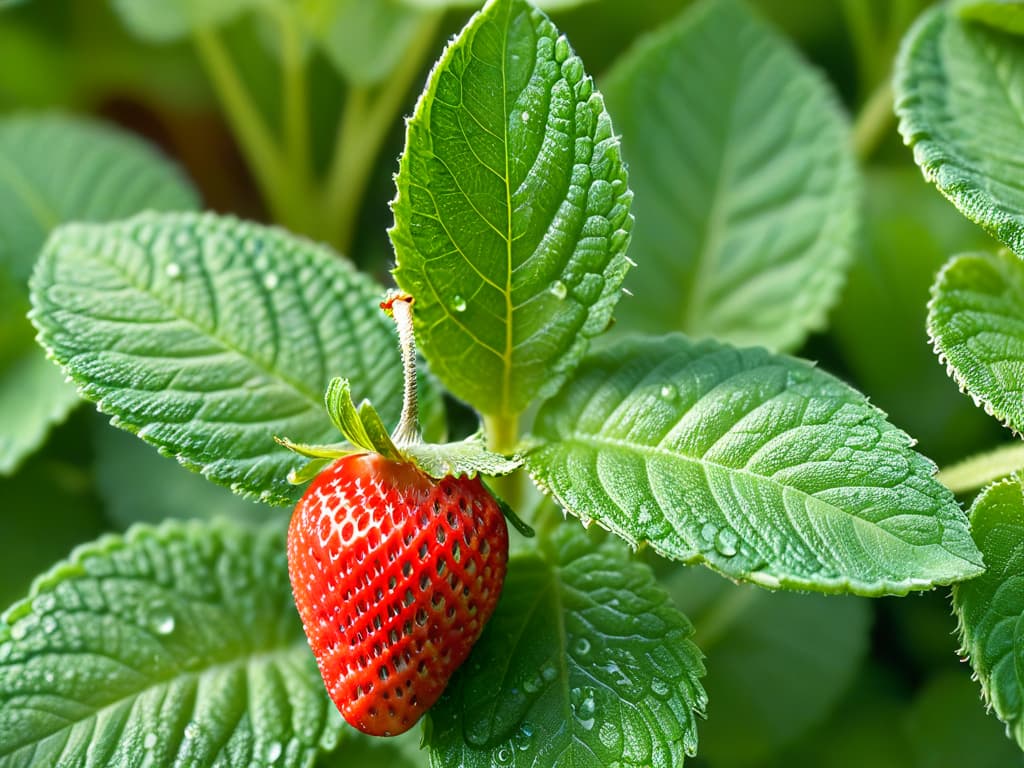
[792,680]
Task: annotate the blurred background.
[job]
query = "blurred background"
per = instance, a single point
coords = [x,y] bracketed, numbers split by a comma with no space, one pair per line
[793,680]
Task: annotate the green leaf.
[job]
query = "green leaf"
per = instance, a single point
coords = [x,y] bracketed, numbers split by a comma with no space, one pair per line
[778,662]
[976,321]
[747,191]
[758,465]
[127,471]
[55,169]
[584,663]
[358,750]
[1007,15]
[960,99]
[163,21]
[909,233]
[364,39]
[512,215]
[176,644]
[948,728]
[208,336]
[981,469]
[991,607]
[468,457]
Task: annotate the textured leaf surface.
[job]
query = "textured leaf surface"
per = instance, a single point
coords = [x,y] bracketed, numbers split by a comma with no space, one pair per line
[584,663]
[976,321]
[991,607]
[55,169]
[759,465]
[747,192]
[175,645]
[512,215]
[209,336]
[960,99]
[778,662]
[1007,15]
[548,5]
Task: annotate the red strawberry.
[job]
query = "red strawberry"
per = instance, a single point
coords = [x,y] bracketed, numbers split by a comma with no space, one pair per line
[394,575]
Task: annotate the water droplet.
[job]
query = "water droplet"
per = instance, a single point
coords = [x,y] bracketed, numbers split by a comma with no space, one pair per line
[149,741]
[558,290]
[725,542]
[504,756]
[525,116]
[707,532]
[50,678]
[160,619]
[583,706]
[458,303]
[273,752]
[659,687]
[271,281]
[669,392]
[532,685]
[549,673]
[173,270]
[524,737]
[192,730]
[581,646]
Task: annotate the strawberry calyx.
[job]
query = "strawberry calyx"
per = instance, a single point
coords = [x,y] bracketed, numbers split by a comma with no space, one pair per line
[364,431]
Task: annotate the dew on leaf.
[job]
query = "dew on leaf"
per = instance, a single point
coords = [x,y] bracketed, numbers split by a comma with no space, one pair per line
[525,117]
[173,270]
[559,290]
[725,542]
[458,303]
[549,673]
[160,619]
[581,647]
[669,392]
[149,741]
[271,281]
[192,730]
[524,737]
[504,756]
[584,706]
[273,752]
[707,532]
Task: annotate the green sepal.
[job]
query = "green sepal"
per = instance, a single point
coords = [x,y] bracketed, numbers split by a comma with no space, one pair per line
[310,451]
[308,471]
[468,457]
[353,423]
[510,514]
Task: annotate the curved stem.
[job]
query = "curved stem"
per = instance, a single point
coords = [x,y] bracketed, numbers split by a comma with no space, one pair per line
[255,140]
[408,430]
[365,120]
[295,106]
[876,117]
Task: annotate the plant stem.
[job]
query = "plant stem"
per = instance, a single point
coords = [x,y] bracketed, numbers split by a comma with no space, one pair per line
[364,125]
[874,119]
[980,470]
[864,38]
[408,430]
[257,144]
[502,433]
[295,107]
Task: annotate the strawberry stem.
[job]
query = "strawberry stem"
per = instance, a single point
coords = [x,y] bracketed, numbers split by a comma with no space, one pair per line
[408,430]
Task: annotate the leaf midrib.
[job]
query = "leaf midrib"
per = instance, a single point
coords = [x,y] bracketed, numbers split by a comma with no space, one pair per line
[506,378]
[244,661]
[46,216]
[648,450]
